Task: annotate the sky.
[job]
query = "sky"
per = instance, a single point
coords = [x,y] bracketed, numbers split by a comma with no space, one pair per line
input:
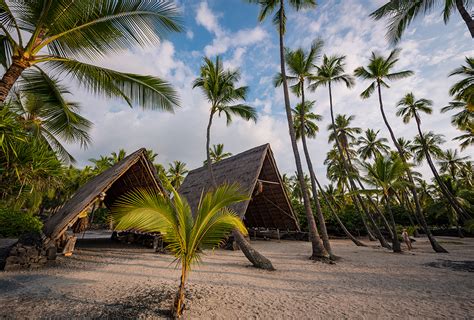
[229,28]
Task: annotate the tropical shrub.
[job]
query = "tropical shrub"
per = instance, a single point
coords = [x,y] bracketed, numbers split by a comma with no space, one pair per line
[15,223]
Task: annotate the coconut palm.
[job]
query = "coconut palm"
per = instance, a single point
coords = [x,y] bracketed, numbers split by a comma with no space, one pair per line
[378,71]
[176,173]
[217,153]
[465,117]
[101,164]
[464,89]
[401,13]
[410,108]
[54,37]
[267,7]
[467,138]
[452,163]
[300,66]
[116,157]
[219,87]
[186,233]
[386,174]
[370,146]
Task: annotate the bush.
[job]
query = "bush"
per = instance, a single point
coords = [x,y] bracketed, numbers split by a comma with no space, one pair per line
[15,223]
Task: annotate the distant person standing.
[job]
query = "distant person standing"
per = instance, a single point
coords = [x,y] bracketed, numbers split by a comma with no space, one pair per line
[406,238]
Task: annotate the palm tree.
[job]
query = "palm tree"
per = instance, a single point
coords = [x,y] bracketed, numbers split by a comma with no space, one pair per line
[217,153]
[47,116]
[466,139]
[279,19]
[300,68]
[117,157]
[401,13]
[465,117]
[370,146]
[60,33]
[410,108]
[378,71]
[386,173]
[452,163]
[101,164]
[176,173]
[219,87]
[186,234]
[464,89]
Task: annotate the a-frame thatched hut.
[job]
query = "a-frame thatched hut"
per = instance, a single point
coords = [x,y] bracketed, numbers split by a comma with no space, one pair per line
[134,171]
[256,172]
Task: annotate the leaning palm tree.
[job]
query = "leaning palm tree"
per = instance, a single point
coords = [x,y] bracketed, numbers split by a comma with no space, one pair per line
[301,66]
[219,87]
[176,173]
[54,37]
[267,7]
[401,13]
[386,173]
[370,146]
[187,233]
[410,108]
[451,162]
[378,71]
[217,153]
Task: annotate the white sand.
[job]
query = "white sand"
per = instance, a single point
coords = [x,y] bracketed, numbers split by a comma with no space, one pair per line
[132,282]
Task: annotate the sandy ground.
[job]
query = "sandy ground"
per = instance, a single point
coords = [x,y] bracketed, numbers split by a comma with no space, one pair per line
[109,281]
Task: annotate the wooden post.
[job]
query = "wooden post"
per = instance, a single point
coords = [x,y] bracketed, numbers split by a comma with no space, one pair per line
[278,235]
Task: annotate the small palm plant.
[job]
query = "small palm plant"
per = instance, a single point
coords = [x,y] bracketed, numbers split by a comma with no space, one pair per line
[186,232]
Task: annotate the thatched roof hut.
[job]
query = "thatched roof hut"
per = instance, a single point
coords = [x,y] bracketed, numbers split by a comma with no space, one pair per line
[134,171]
[256,172]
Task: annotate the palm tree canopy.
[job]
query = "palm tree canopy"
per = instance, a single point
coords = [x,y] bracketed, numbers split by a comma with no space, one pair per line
[310,118]
[409,107]
[379,70]
[183,231]
[300,65]
[401,13]
[345,133]
[219,87]
[433,142]
[267,7]
[452,162]
[464,89]
[63,33]
[467,138]
[386,173]
[176,173]
[331,71]
[370,146]
[217,153]
[464,117]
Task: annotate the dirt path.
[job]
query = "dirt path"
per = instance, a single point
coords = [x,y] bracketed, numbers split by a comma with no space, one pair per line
[104,280]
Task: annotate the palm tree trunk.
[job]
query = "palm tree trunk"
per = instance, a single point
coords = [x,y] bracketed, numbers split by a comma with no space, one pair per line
[456,206]
[353,188]
[256,258]
[10,77]
[178,304]
[434,244]
[319,211]
[465,16]
[341,224]
[395,242]
[318,250]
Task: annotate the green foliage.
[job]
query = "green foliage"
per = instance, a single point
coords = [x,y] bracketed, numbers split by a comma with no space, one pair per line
[15,223]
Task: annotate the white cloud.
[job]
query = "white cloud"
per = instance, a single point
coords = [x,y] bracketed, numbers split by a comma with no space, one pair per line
[206,18]
[189,34]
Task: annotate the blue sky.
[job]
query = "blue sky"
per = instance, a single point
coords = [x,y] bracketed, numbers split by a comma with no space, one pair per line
[230,28]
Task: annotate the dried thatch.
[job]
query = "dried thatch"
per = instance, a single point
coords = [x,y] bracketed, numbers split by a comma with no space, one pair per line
[135,171]
[256,172]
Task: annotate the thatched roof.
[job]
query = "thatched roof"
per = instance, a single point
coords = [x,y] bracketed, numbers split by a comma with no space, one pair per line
[251,169]
[134,171]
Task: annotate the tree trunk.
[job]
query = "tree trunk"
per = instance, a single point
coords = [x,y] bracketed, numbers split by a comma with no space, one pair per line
[257,259]
[458,229]
[178,304]
[395,242]
[318,250]
[434,244]
[353,188]
[454,203]
[465,16]
[314,188]
[10,77]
